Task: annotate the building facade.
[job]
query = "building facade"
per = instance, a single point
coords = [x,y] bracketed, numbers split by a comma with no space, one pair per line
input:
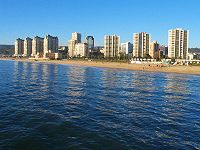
[90,41]
[76,36]
[37,46]
[19,47]
[27,47]
[178,43]
[126,48]
[71,47]
[141,44]
[50,45]
[81,50]
[154,50]
[111,46]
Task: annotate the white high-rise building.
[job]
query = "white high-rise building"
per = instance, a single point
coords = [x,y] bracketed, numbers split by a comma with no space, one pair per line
[71,47]
[178,43]
[37,46]
[19,47]
[50,45]
[76,36]
[141,44]
[111,46]
[81,50]
[27,47]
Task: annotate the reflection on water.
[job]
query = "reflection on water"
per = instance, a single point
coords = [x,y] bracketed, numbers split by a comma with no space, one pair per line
[72,107]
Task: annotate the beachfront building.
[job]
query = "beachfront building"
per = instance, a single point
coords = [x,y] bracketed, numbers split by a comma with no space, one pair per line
[90,41]
[71,47]
[76,38]
[27,47]
[154,50]
[19,47]
[111,46]
[50,45]
[81,50]
[141,44]
[178,43]
[37,46]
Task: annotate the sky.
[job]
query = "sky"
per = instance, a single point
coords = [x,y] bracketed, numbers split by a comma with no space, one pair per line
[28,18]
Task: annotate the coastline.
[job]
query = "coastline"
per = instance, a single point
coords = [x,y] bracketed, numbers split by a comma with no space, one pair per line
[193,70]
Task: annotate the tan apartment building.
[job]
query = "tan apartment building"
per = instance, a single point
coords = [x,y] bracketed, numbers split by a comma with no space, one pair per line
[154,50]
[27,47]
[37,46]
[141,44]
[50,45]
[19,47]
[111,46]
[178,43]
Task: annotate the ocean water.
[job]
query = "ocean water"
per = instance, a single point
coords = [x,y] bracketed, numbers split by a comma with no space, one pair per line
[47,106]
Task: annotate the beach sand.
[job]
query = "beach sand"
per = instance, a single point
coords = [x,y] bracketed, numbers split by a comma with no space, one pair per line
[117,65]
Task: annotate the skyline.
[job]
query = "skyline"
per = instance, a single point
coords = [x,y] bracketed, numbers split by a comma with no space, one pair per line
[91,18]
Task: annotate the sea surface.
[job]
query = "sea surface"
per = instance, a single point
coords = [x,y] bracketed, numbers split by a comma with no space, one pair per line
[48,106]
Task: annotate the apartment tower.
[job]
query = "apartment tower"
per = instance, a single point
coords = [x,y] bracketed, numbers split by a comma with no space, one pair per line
[27,47]
[178,43]
[50,45]
[154,50]
[76,38]
[37,46]
[141,44]
[19,47]
[111,46]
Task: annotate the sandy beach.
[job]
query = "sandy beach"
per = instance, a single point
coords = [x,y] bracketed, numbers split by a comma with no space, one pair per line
[117,65]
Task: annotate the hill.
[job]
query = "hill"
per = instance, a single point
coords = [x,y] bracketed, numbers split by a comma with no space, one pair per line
[6,50]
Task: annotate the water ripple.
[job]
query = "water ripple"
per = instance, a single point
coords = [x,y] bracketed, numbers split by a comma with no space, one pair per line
[70,107]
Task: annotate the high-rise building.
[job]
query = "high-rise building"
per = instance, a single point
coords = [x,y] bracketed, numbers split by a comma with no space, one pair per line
[154,50]
[81,50]
[141,44]
[90,41]
[111,46]
[19,47]
[126,48]
[178,43]
[77,37]
[27,47]
[37,46]
[71,47]
[50,45]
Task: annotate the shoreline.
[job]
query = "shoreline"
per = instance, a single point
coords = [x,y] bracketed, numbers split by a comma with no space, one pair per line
[190,70]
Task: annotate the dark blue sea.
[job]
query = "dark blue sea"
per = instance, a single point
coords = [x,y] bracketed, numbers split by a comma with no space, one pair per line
[48,106]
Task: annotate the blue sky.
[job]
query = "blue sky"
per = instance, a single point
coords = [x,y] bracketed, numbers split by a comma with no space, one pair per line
[22,18]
